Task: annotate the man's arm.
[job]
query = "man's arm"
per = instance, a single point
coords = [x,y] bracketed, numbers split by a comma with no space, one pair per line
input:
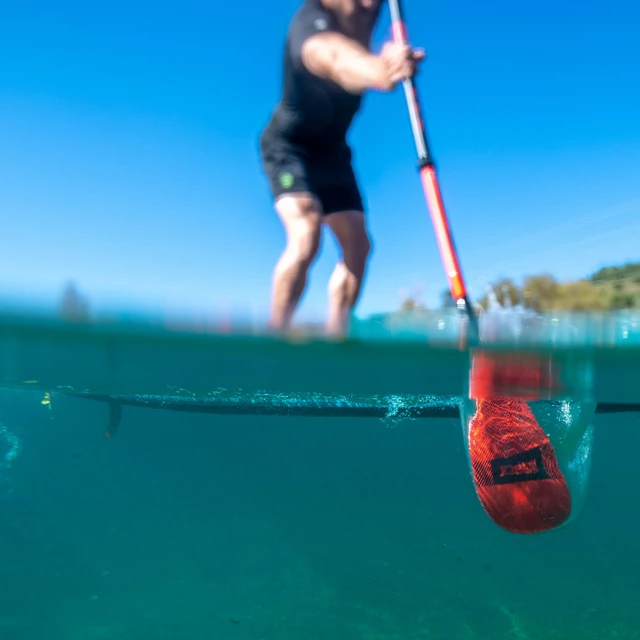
[344,61]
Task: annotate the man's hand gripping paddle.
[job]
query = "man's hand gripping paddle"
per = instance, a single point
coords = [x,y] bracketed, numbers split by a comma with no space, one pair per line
[515,470]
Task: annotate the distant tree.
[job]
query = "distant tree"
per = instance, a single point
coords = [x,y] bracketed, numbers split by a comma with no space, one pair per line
[409,304]
[619,285]
[580,296]
[622,299]
[614,287]
[540,292]
[630,271]
[506,291]
[606,274]
[73,305]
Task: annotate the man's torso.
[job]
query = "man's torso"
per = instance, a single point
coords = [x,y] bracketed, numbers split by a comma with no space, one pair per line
[313,112]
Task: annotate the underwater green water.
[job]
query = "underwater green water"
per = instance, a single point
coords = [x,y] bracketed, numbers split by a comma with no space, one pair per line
[265,527]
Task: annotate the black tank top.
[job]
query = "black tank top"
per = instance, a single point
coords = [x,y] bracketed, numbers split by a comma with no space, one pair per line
[313,112]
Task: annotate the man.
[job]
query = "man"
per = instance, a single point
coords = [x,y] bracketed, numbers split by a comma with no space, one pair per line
[327,68]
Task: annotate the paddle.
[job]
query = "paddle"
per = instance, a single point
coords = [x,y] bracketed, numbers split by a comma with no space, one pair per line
[515,470]
[431,187]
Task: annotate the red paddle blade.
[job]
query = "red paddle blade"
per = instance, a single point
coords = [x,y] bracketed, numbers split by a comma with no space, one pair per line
[515,470]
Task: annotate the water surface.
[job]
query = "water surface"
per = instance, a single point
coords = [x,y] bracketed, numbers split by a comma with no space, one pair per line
[267,527]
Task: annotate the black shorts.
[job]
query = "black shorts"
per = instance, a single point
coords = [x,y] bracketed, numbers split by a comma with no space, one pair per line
[327,174]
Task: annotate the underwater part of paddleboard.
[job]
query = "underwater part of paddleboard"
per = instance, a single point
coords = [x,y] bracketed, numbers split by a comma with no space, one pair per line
[283,405]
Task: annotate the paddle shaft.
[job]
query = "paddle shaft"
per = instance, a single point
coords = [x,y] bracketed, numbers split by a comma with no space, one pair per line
[431,187]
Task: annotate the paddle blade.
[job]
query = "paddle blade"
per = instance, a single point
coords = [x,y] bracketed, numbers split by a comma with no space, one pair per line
[515,470]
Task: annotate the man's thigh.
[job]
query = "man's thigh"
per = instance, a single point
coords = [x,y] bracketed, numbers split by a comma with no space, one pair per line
[286,169]
[333,180]
[325,174]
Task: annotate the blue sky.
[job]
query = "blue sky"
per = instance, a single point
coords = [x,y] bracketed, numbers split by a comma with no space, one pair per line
[128,150]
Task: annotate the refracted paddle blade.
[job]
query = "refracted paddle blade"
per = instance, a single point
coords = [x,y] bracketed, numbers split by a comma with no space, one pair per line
[521,481]
[513,374]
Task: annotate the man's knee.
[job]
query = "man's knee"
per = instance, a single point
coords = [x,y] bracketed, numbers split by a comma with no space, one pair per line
[301,217]
[365,247]
[350,230]
[306,244]
[356,251]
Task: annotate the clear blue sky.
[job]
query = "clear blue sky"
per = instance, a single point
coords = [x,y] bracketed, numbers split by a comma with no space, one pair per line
[128,149]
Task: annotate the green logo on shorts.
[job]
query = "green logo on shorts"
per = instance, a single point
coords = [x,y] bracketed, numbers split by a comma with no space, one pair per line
[286,180]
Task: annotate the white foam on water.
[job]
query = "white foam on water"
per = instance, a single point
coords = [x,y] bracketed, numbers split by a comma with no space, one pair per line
[398,411]
[11,445]
[14,446]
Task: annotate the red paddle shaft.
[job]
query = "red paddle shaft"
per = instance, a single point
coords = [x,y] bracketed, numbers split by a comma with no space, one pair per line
[430,184]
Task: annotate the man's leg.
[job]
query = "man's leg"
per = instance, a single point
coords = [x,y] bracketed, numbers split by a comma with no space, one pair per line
[301,216]
[346,281]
